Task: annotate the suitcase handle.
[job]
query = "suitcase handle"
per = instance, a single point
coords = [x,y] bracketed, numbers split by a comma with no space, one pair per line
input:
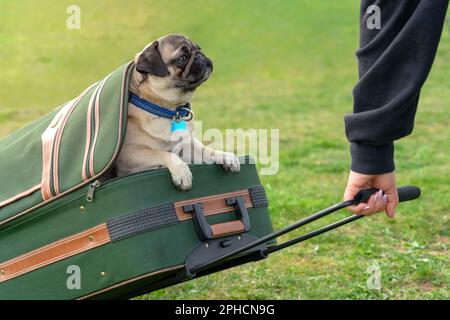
[205,231]
[405,193]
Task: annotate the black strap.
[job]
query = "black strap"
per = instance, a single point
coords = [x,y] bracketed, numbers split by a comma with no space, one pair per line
[142,221]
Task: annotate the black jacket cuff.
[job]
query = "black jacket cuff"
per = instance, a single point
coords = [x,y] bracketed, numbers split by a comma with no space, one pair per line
[371,159]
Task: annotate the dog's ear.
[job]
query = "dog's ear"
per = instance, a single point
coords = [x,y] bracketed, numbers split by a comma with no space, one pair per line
[150,62]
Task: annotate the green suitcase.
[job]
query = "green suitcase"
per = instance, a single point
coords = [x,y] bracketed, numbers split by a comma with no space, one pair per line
[70,230]
[132,236]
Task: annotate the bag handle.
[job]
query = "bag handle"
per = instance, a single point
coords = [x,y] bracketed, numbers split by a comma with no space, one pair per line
[205,231]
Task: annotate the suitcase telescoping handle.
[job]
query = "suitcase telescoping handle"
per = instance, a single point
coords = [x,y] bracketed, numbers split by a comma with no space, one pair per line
[405,193]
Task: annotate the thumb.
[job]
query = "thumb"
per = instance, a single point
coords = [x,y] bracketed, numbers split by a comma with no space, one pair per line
[350,191]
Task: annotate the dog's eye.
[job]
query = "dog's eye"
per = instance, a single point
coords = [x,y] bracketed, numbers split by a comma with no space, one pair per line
[183,59]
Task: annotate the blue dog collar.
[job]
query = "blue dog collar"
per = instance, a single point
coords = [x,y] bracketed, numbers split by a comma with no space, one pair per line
[178,114]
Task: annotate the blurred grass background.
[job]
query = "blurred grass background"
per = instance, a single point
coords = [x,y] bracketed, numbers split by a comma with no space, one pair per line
[278,64]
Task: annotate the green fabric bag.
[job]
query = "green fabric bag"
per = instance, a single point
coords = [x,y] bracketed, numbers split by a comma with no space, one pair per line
[65,149]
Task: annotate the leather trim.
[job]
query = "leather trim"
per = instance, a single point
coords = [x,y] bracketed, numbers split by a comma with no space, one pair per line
[54,252]
[59,137]
[113,158]
[51,140]
[19,196]
[88,133]
[213,204]
[48,139]
[97,126]
[227,228]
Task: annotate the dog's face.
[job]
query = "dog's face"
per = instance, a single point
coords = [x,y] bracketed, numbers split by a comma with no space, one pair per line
[175,64]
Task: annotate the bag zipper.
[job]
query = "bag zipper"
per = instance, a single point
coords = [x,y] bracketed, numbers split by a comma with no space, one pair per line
[91,191]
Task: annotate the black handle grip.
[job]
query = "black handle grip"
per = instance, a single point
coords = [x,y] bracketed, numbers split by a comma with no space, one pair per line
[408,193]
[405,193]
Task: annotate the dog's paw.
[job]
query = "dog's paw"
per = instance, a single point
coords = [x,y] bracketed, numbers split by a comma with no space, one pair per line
[231,163]
[182,176]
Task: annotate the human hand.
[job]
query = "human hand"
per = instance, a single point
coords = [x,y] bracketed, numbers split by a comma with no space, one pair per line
[386,199]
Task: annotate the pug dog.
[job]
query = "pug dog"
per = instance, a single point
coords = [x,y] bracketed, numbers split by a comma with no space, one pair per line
[167,73]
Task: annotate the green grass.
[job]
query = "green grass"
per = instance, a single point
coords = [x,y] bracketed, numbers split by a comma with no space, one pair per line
[278,64]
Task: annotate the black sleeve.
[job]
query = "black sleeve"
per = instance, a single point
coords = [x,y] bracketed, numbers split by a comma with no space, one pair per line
[394,62]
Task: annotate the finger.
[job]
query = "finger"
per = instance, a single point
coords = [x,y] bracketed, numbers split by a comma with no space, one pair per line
[379,202]
[369,209]
[365,208]
[384,201]
[359,209]
[392,202]
[375,203]
[390,208]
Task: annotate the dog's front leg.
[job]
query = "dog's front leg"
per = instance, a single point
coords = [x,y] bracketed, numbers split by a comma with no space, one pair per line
[147,159]
[228,160]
